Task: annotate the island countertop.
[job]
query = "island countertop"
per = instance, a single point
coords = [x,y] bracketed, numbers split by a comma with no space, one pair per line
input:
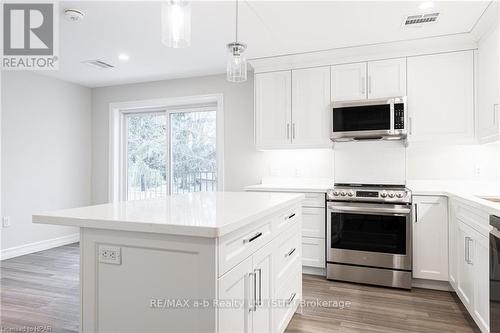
[202,214]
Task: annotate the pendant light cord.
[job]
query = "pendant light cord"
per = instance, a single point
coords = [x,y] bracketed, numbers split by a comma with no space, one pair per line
[236,21]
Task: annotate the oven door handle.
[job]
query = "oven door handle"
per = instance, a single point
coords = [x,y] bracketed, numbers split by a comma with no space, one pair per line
[372,210]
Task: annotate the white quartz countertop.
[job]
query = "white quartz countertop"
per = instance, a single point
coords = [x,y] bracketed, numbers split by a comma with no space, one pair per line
[208,214]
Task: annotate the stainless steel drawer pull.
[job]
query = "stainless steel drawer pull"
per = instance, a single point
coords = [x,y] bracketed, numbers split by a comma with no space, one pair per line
[291,252]
[289,217]
[290,300]
[254,237]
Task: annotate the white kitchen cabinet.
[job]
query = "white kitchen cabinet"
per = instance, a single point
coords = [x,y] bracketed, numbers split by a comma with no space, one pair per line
[480,261]
[311,107]
[386,78]
[488,113]
[443,110]
[313,222]
[465,269]
[313,252]
[263,263]
[236,285]
[273,109]
[348,82]
[430,238]
[453,234]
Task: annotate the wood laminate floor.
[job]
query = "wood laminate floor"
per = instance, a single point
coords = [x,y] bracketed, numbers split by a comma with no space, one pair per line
[42,289]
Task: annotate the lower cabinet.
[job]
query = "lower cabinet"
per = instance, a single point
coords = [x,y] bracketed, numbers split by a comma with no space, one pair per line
[430,237]
[469,261]
[263,290]
[313,252]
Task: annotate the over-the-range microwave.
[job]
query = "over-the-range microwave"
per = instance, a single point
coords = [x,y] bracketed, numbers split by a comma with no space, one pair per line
[383,119]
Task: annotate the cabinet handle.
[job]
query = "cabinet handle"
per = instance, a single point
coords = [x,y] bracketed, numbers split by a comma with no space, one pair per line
[469,241]
[254,237]
[259,270]
[466,248]
[289,253]
[416,213]
[362,85]
[253,302]
[290,300]
[369,84]
[288,131]
[410,125]
[289,217]
[293,131]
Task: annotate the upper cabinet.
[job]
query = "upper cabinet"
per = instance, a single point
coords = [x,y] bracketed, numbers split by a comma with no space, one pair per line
[387,78]
[311,107]
[373,79]
[292,108]
[441,97]
[349,82]
[273,109]
[488,122]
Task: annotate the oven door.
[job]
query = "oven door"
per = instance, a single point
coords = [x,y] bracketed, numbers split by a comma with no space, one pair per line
[376,235]
[366,119]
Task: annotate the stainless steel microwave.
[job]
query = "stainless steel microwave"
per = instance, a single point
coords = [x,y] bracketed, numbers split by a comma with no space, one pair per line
[383,119]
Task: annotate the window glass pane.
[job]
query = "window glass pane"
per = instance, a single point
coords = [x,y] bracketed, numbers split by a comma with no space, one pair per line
[146,156]
[193,151]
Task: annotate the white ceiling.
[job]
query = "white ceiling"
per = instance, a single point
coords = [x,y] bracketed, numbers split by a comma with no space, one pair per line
[270,28]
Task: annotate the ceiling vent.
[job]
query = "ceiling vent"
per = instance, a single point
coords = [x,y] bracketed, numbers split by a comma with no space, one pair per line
[99,64]
[420,19]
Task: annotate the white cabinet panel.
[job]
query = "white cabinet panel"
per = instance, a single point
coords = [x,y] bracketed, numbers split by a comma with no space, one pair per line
[273,109]
[387,78]
[263,269]
[443,110]
[453,246]
[465,283]
[313,222]
[481,299]
[488,115]
[236,285]
[430,238]
[349,82]
[311,107]
[313,252]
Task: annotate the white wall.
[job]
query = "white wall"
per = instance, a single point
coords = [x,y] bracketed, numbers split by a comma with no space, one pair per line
[242,163]
[45,154]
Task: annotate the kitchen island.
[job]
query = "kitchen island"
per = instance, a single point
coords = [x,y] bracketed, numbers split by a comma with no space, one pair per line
[198,262]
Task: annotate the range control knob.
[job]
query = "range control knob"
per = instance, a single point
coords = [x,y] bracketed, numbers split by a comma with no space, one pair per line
[350,193]
[383,194]
[336,193]
[391,194]
[343,194]
[400,195]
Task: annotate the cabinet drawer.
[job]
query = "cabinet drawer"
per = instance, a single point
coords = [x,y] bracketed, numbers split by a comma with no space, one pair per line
[287,253]
[287,219]
[313,252]
[314,200]
[238,245]
[288,296]
[313,222]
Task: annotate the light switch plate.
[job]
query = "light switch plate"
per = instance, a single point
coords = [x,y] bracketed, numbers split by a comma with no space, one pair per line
[110,254]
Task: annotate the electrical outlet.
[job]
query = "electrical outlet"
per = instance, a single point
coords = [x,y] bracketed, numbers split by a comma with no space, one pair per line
[477,170]
[5,221]
[110,255]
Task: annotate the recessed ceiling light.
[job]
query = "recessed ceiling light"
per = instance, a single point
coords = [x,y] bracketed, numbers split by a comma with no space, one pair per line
[426,5]
[123,57]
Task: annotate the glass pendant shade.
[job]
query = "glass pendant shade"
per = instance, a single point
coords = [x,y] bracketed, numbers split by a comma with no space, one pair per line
[236,63]
[176,23]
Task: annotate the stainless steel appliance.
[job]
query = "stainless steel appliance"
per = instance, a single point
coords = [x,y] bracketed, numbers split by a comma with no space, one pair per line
[369,235]
[495,275]
[370,119]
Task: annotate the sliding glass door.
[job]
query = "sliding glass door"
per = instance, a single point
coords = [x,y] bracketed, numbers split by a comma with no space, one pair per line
[170,152]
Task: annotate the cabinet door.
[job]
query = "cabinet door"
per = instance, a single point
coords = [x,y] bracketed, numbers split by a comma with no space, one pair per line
[430,238]
[313,252]
[237,285]
[489,87]
[313,222]
[465,285]
[349,82]
[480,262]
[387,78]
[443,110]
[273,109]
[453,246]
[263,270]
[311,107]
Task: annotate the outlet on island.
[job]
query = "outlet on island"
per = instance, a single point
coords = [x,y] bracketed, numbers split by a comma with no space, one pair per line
[110,255]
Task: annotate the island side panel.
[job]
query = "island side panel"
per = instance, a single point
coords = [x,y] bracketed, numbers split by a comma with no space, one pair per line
[147,289]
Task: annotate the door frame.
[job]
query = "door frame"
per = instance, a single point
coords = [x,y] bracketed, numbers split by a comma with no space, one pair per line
[117,131]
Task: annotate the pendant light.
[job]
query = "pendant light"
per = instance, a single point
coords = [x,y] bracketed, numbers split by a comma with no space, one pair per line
[176,23]
[236,63]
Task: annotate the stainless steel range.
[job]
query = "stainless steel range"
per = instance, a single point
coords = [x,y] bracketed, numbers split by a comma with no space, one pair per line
[369,235]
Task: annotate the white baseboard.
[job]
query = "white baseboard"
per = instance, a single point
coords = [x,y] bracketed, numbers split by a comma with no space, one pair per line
[313,271]
[431,284]
[38,246]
